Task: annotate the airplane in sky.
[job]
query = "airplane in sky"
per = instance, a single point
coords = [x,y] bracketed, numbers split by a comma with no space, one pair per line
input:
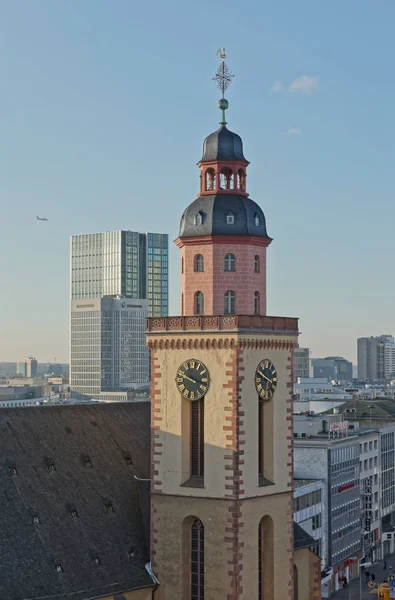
[41,219]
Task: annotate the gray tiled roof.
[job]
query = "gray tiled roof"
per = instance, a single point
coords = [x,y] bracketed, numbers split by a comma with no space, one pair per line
[68,498]
[301,538]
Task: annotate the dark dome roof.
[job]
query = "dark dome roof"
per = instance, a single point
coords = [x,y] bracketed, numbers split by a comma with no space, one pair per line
[214,210]
[223,145]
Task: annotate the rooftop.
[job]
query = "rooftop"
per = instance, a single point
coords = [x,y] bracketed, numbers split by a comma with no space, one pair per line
[301,482]
[74,518]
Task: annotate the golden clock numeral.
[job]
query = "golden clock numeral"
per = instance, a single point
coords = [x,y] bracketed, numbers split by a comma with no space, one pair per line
[180,374]
[192,364]
[203,372]
[198,365]
[257,380]
[180,379]
[205,379]
[266,364]
[203,387]
[186,393]
[181,387]
[259,387]
[192,395]
[275,379]
[185,365]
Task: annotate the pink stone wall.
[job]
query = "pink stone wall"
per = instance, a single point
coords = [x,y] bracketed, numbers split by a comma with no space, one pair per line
[214,281]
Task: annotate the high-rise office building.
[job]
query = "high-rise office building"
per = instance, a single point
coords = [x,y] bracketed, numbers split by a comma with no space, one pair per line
[107,343]
[27,367]
[376,358]
[301,363]
[121,263]
[332,367]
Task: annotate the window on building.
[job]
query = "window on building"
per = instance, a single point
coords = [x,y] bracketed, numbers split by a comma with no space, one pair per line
[365,447]
[230,262]
[257,220]
[229,303]
[197,560]
[199,218]
[375,444]
[197,438]
[370,463]
[265,559]
[241,180]
[199,303]
[370,445]
[256,304]
[316,521]
[256,264]
[376,479]
[211,180]
[375,461]
[226,180]
[199,263]
[230,219]
[365,464]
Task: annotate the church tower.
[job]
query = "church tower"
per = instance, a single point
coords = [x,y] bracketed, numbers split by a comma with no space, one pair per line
[222,458]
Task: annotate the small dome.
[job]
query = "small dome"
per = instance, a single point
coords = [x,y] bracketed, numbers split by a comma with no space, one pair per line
[223,214]
[223,145]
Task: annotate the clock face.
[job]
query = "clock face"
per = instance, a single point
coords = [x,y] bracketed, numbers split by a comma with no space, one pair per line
[266,379]
[192,379]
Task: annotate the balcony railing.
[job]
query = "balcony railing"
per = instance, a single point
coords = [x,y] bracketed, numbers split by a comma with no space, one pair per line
[223,323]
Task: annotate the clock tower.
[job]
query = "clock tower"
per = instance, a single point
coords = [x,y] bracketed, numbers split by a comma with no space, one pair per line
[222,431]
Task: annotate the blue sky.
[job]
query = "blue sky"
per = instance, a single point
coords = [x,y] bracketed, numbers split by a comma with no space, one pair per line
[103,111]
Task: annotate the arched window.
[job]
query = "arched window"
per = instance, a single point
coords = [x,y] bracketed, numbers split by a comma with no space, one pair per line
[230,262]
[229,303]
[257,220]
[256,304]
[265,559]
[199,303]
[230,218]
[199,263]
[241,180]
[226,180]
[199,218]
[256,264]
[197,560]
[211,180]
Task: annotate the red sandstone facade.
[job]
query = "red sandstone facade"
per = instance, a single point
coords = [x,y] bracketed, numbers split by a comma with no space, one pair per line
[248,281]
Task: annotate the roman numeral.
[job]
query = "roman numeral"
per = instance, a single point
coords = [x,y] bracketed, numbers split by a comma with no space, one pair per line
[192,364]
[203,387]
[192,395]
[186,393]
[185,365]
[180,379]
[181,387]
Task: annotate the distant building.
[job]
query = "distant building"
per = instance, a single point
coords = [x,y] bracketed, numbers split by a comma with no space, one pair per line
[309,512]
[301,362]
[121,263]
[376,358]
[108,348]
[318,388]
[333,368]
[27,367]
[336,462]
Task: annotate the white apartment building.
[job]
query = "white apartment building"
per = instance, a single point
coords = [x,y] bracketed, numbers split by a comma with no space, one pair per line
[318,388]
[376,358]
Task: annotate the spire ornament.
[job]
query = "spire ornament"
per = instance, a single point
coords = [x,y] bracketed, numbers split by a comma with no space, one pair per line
[223,78]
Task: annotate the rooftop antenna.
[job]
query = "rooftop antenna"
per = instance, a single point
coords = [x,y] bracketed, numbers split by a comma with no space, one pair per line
[223,78]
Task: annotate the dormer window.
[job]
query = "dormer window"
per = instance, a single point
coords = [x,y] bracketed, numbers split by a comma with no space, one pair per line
[257,220]
[199,218]
[230,219]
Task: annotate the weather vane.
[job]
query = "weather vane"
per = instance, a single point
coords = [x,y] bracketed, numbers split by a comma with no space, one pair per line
[223,78]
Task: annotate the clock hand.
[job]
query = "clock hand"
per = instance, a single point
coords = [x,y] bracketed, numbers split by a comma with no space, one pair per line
[264,376]
[189,379]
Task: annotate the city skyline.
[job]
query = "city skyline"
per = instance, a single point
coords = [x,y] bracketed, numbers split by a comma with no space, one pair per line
[91,147]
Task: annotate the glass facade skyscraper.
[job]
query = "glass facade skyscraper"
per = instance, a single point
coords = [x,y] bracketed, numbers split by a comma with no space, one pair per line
[121,263]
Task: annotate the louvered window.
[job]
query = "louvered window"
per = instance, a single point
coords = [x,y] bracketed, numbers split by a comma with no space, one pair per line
[197,438]
[197,560]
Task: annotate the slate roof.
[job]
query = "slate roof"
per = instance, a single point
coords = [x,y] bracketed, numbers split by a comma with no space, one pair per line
[381,408]
[301,538]
[214,208]
[69,500]
[223,144]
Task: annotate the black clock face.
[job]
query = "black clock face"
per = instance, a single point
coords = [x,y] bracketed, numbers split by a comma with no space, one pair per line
[266,379]
[192,379]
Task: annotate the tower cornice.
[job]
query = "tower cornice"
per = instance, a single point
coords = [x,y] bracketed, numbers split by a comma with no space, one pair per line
[243,240]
